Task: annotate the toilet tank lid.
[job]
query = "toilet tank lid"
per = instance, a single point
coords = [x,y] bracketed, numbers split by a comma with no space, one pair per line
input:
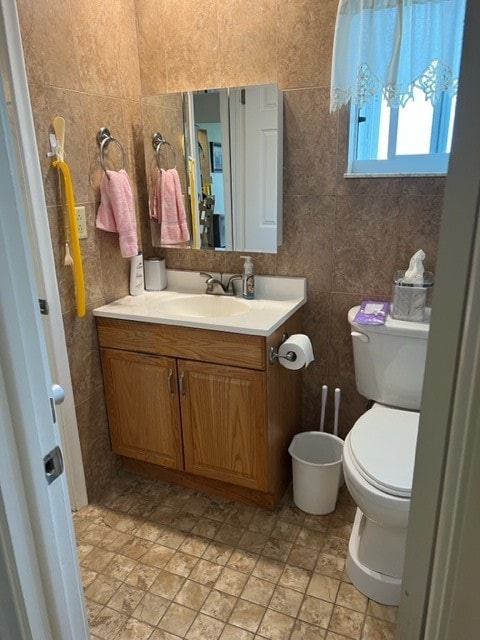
[383,443]
[393,326]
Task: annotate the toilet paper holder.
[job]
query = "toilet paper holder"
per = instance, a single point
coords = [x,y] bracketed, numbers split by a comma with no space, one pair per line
[273,354]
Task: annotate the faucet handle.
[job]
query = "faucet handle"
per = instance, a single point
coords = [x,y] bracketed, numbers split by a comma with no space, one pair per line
[206,275]
[230,286]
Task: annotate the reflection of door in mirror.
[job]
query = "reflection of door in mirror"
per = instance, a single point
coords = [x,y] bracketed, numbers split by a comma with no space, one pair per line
[207,195]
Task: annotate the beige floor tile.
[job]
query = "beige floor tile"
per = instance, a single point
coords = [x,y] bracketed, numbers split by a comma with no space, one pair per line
[276,626]
[234,633]
[184,521]
[317,523]
[305,631]
[316,611]
[134,630]
[167,585]
[177,497]
[119,567]
[205,628]
[181,564]
[253,541]
[194,545]
[243,561]
[382,611]
[197,504]
[263,522]
[208,528]
[346,622]
[286,601]
[218,552]
[125,599]
[160,634]
[323,587]
[295,578]
[114,540]
[149,531]
[177,619]
[168,537]
[151,608]
[95,533]
[142,576]
[330,565]
[340,528]
[246,615]
[376,629]
[219,605]
[335,546]
[158,556]
[302,557]
[231,581]
[128,524]
[97,559]
[268,569]
[218,509]
[285,531]
[240,515]
[83,549]
[93,609]
[88,576]
[206,572]
[277,549]
[192,594]
[163,515]
[102,589]
[291,513]
[258,591]
[136,548]
[229,534]
[107,623]
[350,597]
[310,538]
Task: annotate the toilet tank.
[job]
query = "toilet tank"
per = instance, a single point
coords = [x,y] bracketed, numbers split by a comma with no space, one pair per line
[390,360]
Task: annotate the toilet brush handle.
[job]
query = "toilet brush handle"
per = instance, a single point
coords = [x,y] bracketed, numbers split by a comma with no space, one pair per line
[337,396]
[324,402]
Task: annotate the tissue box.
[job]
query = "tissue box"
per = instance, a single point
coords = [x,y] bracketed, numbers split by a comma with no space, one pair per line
[409,299]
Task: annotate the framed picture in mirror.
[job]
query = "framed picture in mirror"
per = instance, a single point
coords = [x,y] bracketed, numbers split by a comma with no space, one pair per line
[216,156]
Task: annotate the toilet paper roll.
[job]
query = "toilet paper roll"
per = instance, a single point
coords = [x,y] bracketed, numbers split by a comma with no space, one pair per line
[300,345]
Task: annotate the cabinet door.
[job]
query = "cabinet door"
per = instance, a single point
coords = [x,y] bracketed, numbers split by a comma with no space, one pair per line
[142,403]
[224,425]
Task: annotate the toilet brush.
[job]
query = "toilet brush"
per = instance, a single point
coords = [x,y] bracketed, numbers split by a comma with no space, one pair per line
[338,393]
[324,402]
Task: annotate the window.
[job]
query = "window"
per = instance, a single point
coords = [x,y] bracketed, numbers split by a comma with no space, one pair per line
[415,139]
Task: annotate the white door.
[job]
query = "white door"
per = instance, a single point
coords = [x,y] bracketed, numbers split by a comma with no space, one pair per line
[15,87]
[257,178]
[36,530]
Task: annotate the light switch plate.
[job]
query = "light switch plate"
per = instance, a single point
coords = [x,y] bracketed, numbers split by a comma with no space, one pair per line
[81,222]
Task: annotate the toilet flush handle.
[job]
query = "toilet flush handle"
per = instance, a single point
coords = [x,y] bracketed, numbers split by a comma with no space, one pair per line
[360,336]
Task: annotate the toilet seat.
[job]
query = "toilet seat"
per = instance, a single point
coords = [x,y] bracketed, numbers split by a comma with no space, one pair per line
[382,446]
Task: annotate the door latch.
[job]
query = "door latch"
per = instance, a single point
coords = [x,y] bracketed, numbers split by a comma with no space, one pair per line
[53,463]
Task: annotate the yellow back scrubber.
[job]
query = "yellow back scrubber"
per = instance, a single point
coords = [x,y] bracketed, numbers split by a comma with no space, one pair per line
[76,257]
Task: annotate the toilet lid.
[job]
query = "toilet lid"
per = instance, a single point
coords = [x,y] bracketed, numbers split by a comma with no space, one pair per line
[383,443]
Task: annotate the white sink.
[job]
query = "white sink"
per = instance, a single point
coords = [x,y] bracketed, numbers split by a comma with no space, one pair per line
[205,306]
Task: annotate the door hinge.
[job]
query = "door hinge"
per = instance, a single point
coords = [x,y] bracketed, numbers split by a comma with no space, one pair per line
[44,308]
[52,406]
[243,97]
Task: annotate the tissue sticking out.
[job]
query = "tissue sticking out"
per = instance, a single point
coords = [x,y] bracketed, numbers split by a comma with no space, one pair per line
[415,270]
[410,290]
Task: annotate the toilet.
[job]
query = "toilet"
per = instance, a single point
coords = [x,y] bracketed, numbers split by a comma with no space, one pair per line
[379,451]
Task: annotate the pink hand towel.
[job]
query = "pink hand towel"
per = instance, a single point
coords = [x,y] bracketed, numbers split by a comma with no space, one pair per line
[167,208]
[116,212]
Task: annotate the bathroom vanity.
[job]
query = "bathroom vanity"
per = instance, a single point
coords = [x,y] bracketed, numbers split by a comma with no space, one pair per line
[194,399]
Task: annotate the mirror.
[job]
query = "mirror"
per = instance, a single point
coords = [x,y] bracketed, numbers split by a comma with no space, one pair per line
[226,145]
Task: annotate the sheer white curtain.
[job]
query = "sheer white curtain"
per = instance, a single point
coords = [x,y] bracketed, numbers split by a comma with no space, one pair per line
[389,47]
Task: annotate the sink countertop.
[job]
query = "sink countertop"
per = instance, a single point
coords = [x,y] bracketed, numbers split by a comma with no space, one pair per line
[276,299]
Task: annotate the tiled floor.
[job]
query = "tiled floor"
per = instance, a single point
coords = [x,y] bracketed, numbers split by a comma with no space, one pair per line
[161,562]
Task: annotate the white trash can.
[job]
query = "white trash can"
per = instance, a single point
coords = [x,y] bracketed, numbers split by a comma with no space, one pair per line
[317,471]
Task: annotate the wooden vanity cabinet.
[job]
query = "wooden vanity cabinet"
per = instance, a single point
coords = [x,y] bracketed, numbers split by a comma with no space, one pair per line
[201,408]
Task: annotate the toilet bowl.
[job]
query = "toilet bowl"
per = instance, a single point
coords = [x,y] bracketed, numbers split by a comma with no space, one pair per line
[379,452]
[378,462]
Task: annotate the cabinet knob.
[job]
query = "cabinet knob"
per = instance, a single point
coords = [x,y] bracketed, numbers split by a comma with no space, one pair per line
[182,384]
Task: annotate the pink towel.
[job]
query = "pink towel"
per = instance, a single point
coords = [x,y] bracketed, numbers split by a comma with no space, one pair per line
[167,208]
[116,211]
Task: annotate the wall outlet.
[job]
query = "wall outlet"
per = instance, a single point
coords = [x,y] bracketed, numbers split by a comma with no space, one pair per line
[81,222]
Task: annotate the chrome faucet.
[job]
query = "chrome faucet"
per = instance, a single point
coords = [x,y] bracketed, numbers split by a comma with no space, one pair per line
[216,287]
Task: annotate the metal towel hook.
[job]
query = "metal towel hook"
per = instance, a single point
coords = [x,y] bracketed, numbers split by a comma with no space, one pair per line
[104,138]
[157,141]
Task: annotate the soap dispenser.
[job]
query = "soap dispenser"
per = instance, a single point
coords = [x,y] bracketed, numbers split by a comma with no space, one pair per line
[248,278]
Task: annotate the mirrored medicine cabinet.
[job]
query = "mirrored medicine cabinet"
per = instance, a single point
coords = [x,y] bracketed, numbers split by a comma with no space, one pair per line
[226,145]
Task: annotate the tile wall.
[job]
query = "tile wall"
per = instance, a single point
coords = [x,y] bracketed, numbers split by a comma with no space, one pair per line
[92,62]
